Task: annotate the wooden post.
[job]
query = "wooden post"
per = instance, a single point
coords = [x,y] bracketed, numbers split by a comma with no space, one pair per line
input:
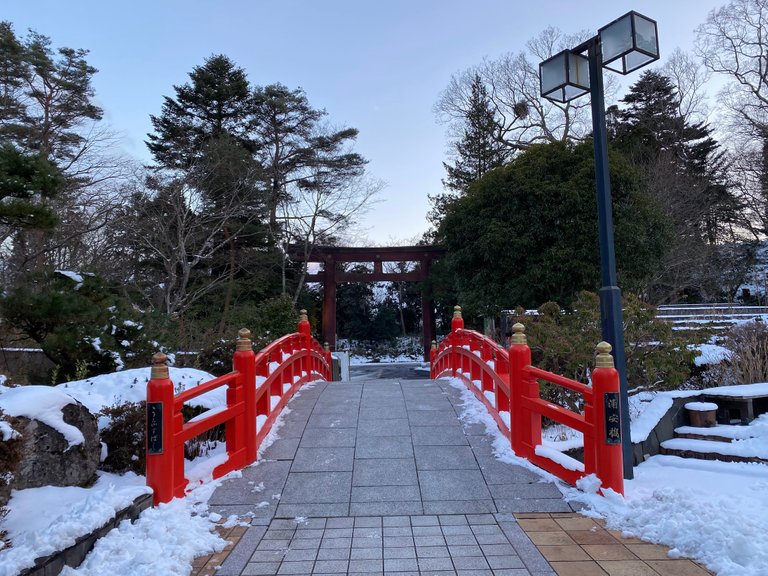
[161,464]
[244,362]
[609,464]
[519,358]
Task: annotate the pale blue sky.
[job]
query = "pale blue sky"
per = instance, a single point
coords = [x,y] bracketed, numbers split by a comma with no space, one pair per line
[376,65]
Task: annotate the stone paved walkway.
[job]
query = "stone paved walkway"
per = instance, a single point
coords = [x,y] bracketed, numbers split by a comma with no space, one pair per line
[381,477]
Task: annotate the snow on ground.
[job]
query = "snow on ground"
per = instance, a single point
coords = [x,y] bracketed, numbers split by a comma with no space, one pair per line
[41,521]
[106,390]
[164,540]
[714,512]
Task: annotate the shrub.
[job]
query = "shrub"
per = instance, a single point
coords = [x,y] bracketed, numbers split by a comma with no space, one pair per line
[564,343]
[125,438]
[748,362]
[10,454]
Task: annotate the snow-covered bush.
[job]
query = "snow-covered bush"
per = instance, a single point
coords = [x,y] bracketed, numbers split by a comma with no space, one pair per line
[748,361]
[83,325]
[125,438]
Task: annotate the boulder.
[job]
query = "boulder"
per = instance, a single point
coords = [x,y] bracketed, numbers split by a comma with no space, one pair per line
[48,459]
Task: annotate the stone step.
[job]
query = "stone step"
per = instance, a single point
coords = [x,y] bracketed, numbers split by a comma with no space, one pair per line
[706,450]
[720,433]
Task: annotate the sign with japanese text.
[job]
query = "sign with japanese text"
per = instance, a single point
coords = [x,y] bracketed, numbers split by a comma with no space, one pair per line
[154,427]
[612,418]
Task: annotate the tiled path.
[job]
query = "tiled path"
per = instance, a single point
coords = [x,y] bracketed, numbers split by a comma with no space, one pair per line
[381,477]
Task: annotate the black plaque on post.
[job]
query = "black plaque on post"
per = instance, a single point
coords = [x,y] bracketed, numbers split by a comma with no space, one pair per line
[154,427]
[612,418]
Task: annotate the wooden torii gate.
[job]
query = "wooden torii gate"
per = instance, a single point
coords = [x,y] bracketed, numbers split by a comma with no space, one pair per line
[330,276]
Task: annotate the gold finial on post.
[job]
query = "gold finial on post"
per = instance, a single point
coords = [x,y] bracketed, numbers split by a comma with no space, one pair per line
[159,366]
[434,344]
[518,336]
[604,358]
[243,339]
[303,316]
[457,312]
[326,347]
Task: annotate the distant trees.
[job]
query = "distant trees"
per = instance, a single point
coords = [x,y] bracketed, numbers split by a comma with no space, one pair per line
[733,43]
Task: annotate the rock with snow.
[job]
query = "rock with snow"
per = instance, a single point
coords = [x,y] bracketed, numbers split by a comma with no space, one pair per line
[59,439]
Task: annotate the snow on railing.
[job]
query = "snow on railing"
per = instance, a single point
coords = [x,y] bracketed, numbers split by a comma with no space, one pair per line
[508,385]
[258,388]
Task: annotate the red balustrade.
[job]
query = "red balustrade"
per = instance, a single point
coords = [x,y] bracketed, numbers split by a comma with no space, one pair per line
[258,388]
[508,385]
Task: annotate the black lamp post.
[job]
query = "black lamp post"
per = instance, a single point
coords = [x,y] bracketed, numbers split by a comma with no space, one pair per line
[624,45]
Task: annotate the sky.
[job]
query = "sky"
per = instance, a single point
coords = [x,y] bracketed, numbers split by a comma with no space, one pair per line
[375,65]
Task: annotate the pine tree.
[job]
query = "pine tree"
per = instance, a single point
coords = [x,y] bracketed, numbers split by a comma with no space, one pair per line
[479,149]
[654,133]
[214,104]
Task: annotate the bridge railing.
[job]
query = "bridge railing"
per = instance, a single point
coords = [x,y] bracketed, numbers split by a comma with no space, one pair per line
[258,388]
[507,383]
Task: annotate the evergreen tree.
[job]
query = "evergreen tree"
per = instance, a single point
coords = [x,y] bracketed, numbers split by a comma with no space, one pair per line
[526,233]
[478,150]
[47,96]
[214,104]
[686,174]
[295,151]
[25,183]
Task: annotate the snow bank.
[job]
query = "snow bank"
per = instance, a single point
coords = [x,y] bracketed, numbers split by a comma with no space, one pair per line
[106,390]
[164,540]
[41,403]
[44,520]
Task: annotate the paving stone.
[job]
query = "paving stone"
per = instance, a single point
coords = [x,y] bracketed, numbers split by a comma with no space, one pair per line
[532,505]
[328,438]
[363,566]
[317,487]
[433,418]
[368,522]
[470,563]
[384,447]
[331,566]
[340,523]
[438,436]
[338,532]
[282,449]
[333,554]
[390,427]
[454,530]
[400,552]
[528,491]
[502,562]
[295,568]
[436,551]
[385,472]
[464,550]
[332,420]
[385,493]
[400,564]
[394,508]
[497,472]
[453,485]
[453,520]
[396,521]
[445,458]
[261,569]
[334,459]
[313,509]
[398,530]
[435,564]
[366,553]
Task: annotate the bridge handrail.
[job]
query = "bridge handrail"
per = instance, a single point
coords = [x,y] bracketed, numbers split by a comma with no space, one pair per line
[258,388]
[509,387]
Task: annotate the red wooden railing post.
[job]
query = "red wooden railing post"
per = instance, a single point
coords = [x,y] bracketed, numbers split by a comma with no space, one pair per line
[306,342]
[159,436]
[519,359]
[244,362]
[328,360]
[609,465]
[457,323]
[432,358]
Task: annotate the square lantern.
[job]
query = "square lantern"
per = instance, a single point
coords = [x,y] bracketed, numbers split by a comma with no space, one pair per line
[629,43]
[564,77]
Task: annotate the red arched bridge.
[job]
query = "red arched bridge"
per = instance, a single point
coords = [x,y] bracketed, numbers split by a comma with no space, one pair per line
[426,460]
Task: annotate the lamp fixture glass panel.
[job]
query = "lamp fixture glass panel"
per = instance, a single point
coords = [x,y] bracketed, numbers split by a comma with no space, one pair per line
[564,77]
[629,43]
